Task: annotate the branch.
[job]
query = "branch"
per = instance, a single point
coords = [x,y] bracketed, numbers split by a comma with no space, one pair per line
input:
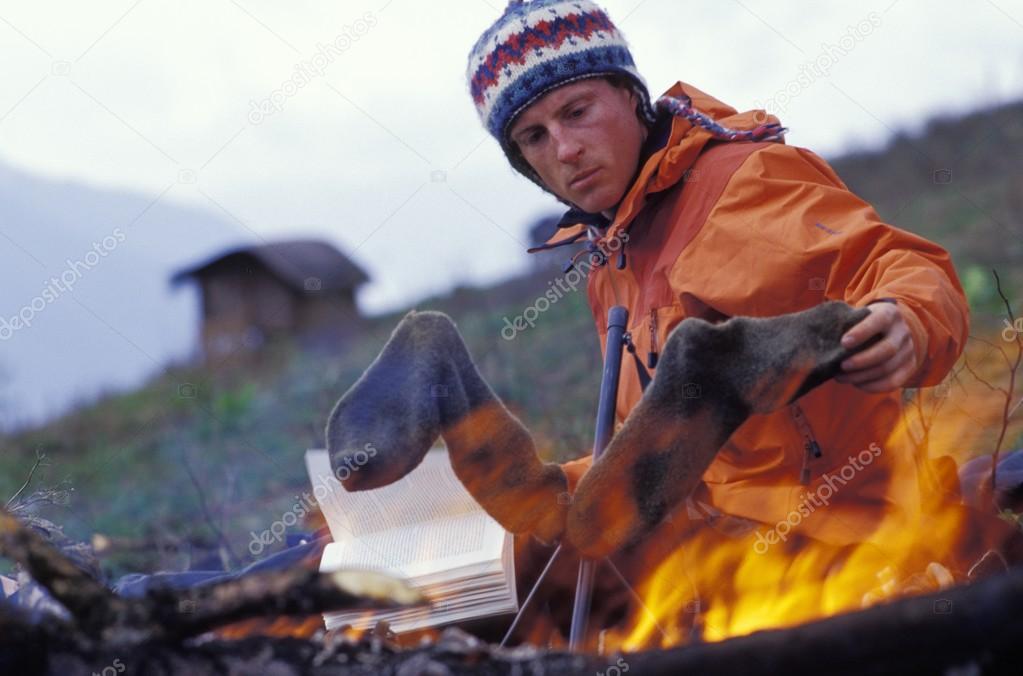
[992,346]
[1016,407]
[207,516]
[1008,392]
[982,381]
[294,592]
[166,613]
[40,457]
[90,603]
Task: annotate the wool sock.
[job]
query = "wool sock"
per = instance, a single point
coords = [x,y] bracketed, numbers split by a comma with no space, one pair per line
[711,378]
[424,384]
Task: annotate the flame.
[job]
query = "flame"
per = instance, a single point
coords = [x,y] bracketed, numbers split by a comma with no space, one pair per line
[709,587]
[276,627]
[694,583]
[309,627]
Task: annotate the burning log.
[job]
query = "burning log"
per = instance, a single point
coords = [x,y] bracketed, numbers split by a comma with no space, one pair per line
[975,628]
[91,604]
[976,625]
[101,617]
[295,592]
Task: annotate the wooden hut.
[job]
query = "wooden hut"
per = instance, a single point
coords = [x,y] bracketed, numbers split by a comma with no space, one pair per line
[253,295]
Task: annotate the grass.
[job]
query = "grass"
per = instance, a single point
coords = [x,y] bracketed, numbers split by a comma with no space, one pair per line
[196,452]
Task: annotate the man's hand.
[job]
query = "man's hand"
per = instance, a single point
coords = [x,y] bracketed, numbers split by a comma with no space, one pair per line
[887,364]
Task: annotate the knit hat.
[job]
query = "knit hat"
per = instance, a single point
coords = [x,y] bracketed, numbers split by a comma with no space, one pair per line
[538,46]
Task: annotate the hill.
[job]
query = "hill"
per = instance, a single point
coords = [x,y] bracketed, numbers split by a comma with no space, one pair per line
[193,454]
[97,260]
[958,182]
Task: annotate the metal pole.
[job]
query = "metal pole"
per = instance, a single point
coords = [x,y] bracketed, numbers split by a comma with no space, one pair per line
[617,322]
[529,598]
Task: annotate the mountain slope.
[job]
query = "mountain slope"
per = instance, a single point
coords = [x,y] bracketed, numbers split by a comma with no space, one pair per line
[86,302]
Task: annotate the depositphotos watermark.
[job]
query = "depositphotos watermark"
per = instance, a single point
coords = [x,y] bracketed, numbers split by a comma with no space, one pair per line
[64,283]
[1012,330]
[306,502]
[819,67]
[617,669]
[309,69]
[116,667]
[572,279]
[821,497]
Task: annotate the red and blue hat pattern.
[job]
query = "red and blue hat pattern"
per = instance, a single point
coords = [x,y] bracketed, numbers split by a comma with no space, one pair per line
[537,46]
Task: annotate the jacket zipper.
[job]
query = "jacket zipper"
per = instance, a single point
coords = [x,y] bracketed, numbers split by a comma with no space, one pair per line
[651,356]
[811,449]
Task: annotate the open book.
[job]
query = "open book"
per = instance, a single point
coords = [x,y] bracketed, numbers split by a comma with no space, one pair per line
[425,528]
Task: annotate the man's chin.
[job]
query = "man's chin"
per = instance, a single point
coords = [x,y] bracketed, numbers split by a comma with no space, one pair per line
[596,202]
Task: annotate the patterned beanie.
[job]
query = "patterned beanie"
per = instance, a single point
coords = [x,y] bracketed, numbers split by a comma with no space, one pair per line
[536,47]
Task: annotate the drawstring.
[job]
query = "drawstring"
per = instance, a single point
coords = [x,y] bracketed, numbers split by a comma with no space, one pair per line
[683,107]
[564,242]
[644,375]
[570,264]
[597,257]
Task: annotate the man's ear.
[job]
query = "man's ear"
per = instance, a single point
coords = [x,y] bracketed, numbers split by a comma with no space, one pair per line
[637,102]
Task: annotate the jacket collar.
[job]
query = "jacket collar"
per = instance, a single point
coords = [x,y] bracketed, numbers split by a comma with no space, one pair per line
[670,151]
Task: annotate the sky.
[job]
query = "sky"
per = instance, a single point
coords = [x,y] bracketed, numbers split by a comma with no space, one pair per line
[380,151]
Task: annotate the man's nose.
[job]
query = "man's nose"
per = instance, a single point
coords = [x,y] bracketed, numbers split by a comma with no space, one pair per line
[568,147]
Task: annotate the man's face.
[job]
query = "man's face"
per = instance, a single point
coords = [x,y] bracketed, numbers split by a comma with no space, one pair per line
[584,140]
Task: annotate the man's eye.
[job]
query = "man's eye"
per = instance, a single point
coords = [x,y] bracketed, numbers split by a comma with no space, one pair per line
[577,112]
[533,138]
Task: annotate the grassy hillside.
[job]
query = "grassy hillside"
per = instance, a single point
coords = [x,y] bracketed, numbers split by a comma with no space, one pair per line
[195,453]
[151,464]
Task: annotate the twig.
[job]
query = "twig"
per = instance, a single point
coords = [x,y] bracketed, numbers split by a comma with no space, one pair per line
[231,477]
[1016,407]
[40,457]
[207,516]
[993,347]
[1008,306]
[977,376]
[1008,392]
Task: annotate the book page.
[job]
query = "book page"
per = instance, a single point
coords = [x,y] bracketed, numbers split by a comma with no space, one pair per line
[425,528]
[428,493]
[488,592]
[435,551]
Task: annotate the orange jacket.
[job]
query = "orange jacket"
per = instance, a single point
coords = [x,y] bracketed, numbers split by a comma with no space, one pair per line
[719,229]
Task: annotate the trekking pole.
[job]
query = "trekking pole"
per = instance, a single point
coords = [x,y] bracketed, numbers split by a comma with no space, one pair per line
[617,323]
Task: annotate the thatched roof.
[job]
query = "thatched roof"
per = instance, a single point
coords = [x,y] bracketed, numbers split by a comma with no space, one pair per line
[297,263]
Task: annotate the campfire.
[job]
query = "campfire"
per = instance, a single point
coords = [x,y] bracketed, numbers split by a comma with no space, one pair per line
[939,593]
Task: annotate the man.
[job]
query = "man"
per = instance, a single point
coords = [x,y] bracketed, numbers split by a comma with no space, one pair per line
[695,210]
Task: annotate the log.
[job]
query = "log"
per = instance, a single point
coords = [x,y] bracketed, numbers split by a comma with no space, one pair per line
[90,603]
[294,592]
[975,628]
[165,614]
[969,629]
[956,629]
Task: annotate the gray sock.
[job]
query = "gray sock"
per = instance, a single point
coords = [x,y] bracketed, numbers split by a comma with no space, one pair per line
[711,378]
[422,385]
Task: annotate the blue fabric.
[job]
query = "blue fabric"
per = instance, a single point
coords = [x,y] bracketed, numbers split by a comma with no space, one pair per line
[137,585]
